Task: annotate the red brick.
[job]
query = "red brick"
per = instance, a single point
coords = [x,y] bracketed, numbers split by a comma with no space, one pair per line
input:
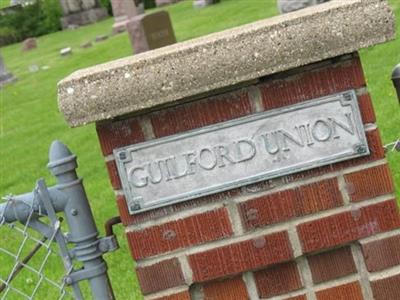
[118,134]
[174,208]
[331,265]
[312,84]
[226,290]
[113,174]
[278,280]
[369,183]
[126,218]
[201,113]
[301,297]
[343,292]
[239,257]
[387,288]
[375,146]
[348,226]
[160,276]
[194,230]
[366,109]
[382,254]
[283,205]
[179,296]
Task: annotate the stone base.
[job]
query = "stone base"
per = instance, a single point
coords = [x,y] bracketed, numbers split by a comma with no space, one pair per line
[6,78]
[84,17]
[203,3]
[119,24]
[119,27]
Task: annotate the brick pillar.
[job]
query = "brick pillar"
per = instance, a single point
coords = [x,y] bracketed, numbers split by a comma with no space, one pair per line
[329,232]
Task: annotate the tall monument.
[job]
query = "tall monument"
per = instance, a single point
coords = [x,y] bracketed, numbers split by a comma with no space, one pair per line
[81,12]
[123,10]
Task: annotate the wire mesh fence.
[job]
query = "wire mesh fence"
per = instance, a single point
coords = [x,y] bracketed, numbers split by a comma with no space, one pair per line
[30,265]
[39,261]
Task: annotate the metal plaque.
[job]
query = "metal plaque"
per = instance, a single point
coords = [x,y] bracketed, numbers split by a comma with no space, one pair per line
[241,151]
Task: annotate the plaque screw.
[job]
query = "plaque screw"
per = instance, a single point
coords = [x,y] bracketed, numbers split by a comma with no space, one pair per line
[347,96]
[360,149]
[122,155]
[135,206]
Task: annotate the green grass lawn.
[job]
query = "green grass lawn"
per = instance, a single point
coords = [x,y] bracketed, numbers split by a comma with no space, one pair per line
[29,118]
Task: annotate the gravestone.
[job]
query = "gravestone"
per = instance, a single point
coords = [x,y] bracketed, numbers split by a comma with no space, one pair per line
[285,6]
[101,38]
[33,68]
[123,10]
[165,2]
[87,45]
[29,44]
[81,12]
[248,164]
[150,31]
[204,3]
[5,76]
[66,51]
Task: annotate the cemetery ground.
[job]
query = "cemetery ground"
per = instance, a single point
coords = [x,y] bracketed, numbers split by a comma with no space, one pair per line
[30,121]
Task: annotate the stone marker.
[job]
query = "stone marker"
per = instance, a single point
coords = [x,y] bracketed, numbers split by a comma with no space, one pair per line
[204,3]
[124,10]
[101,38]
[150,31]
[87,45]
[29,44]
[33,68]
[251,155]
[165,2]
[81,12]
[66,51]
[5,76]
[285,6]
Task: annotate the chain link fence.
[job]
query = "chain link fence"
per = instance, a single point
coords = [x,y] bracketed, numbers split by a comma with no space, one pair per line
[31,267]
[37,259]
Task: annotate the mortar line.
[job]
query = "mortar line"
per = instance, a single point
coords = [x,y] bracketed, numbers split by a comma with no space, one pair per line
[167,292]
[147,127]
[119,193]
[248,278]
[186,269]
[255,98]
[380,236]
[306,277]
[235,219]
[386,273]
[362,271]
[109,157]
[337,282]
[343,189]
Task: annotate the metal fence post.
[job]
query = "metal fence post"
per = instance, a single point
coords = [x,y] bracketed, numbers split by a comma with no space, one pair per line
[83,232]
[69,197]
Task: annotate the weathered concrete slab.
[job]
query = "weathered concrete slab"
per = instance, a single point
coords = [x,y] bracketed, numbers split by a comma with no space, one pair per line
[170,74]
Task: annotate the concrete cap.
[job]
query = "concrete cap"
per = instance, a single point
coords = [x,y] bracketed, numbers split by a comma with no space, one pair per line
[167,75]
